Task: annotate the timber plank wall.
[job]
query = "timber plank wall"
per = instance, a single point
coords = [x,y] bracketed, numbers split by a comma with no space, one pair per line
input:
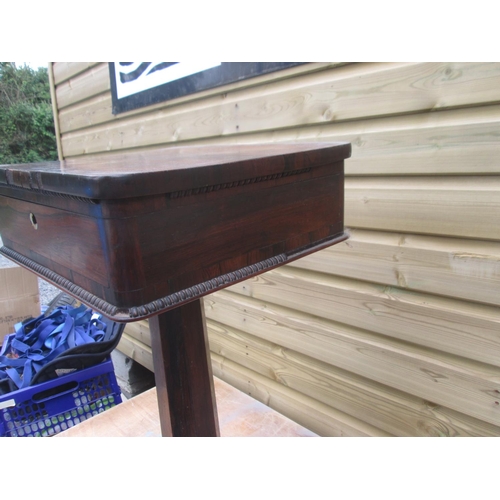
[395,331]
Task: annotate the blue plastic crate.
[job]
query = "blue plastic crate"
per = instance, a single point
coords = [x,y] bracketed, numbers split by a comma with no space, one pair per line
[51,407]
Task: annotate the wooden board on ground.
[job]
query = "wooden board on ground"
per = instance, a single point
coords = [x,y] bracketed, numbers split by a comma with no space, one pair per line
[239,416]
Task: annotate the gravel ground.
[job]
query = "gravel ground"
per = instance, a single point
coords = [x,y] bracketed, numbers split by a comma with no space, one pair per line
[47,292]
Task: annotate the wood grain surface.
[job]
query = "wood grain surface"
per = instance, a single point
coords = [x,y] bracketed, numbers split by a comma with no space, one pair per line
[143,233]
[346,93]
[183,373]
[239,415]
[421,265]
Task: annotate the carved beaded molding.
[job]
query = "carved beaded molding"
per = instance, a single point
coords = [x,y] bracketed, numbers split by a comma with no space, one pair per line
[205,287]
[87,297]
[155,306]
[227,185]
[70,196]
[56,194]
[174,194]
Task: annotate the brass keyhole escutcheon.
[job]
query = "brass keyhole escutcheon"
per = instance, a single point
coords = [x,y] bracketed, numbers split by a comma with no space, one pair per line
[33,221]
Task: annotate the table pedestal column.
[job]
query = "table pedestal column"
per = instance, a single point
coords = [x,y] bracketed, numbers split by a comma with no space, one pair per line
[183,372]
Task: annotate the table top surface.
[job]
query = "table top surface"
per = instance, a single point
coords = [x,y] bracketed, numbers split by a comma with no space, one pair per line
[171,169]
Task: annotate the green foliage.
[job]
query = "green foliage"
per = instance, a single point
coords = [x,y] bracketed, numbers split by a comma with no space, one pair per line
[26,121]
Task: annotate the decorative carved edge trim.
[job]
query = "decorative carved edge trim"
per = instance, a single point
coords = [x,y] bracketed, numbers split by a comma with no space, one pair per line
[163,304]
[70,196]
[154,307]
[203,288]
[57,195]
[172,195]
[36,190]
[227,185]
[87,297]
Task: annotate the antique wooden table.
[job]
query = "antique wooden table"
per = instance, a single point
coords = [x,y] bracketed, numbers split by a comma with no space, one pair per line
[147,235]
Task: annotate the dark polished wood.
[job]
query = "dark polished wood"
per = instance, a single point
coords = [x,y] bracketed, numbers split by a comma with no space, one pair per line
[146,235]
[171,170]
[183,372]
[134,235]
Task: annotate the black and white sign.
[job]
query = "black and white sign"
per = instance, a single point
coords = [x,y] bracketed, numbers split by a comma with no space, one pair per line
[138,84]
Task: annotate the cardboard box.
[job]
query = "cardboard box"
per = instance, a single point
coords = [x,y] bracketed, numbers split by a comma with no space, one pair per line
[19,296]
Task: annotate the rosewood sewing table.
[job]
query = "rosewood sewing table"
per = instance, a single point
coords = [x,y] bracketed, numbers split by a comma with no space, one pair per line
[147,235]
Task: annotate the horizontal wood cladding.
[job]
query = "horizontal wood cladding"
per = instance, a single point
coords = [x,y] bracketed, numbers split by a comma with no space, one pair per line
[459,384]
[84,88]
[464,207]
[379,405]
[350,92]
[139,331]
[95,112]
[459,141]
[263,356]
[395,331]
[307,411]
[451,326]
[319,417]
[65,70]
[135,349]
[448,142]
[461,268]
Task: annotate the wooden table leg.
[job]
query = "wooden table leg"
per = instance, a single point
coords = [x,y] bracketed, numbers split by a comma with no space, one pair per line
[183,372]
